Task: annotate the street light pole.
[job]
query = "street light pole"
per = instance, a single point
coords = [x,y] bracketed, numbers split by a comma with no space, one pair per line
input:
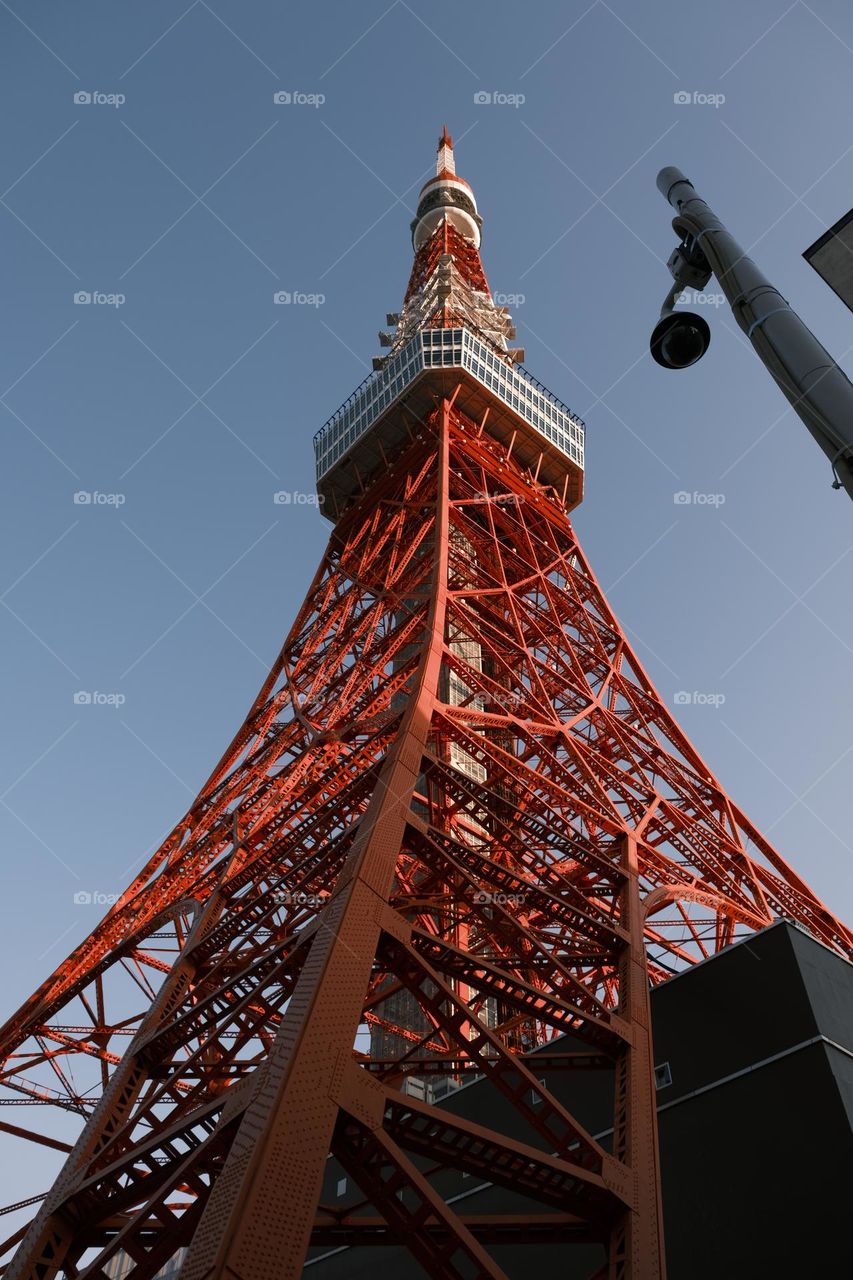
[806,373]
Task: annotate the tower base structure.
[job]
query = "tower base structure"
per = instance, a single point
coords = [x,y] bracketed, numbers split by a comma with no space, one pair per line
[754,1074]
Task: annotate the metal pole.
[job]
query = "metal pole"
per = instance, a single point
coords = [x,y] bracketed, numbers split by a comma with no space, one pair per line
[806,373]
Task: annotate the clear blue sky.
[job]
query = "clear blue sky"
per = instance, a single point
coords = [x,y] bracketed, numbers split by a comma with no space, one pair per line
[199,197]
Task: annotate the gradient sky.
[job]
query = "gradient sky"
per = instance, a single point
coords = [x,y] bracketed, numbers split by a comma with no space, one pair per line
[198,197]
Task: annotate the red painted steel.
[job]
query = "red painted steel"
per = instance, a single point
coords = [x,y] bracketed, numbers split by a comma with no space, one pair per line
[458,823]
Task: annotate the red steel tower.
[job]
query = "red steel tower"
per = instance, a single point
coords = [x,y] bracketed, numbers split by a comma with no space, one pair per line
[457,836]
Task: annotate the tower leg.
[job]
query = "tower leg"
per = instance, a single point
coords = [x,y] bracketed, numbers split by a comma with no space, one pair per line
[636,1244]
[259,1218]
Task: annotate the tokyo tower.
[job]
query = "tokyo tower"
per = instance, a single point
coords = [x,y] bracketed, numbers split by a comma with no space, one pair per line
[457,838]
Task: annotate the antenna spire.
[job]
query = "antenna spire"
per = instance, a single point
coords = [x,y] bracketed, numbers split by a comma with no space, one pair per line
[444,161]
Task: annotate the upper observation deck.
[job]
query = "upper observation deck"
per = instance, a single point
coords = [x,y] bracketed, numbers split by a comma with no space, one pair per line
[370,428]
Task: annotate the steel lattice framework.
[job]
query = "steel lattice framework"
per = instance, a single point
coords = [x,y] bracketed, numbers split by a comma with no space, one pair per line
[458,823]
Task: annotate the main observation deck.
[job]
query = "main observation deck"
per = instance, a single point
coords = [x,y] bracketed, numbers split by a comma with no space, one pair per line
[368,430]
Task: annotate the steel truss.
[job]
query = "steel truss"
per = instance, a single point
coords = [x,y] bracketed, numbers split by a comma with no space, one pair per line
[505,858]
